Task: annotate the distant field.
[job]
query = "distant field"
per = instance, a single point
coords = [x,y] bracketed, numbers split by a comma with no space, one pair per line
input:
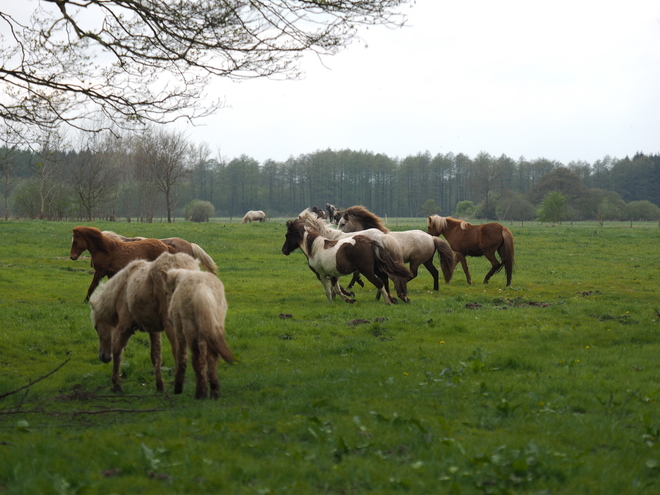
[549,386]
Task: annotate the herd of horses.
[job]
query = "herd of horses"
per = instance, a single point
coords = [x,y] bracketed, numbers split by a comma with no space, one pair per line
[157,285]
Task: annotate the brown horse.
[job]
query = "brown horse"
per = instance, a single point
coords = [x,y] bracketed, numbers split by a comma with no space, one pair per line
[412,246]
[476,240]
[330,259]
[108,255]
[181,246]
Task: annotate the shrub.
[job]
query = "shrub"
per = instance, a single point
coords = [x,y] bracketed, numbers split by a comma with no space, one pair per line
[199,211]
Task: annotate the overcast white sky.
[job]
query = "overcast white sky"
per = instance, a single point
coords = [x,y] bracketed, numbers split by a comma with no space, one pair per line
[563,80]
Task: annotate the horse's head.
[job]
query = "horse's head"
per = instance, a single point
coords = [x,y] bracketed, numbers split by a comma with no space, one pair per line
[104,329]
[78,245]
[435,224]
[295,231]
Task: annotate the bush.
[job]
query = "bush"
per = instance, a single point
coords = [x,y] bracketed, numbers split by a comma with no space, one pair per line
[199,211]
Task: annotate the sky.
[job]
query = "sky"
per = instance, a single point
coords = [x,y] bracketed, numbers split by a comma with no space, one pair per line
[567,80]
[562,80]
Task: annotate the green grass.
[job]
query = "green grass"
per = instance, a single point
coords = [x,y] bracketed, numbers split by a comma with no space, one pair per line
[549,386]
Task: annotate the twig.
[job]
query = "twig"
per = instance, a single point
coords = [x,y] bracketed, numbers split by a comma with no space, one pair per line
[34,381]
[106,411]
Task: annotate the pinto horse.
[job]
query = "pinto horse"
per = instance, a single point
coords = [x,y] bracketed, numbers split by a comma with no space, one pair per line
[476,240]
[330,259]
[411,246]
[108,255]
[180,245]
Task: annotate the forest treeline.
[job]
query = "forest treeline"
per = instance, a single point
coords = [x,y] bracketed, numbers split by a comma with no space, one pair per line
[159,175]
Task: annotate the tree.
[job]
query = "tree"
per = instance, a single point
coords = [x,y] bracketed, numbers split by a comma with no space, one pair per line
[465,209]
[162,156]
[642,210]
[150,61]
[553,208]
[514,206]
[430,208]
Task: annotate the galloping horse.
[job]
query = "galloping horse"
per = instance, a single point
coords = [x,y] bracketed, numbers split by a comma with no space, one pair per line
[413,246]
[180,245]
[135,299]
[333,213]
[476,240]
[254,216]
[108,255]
[330,259]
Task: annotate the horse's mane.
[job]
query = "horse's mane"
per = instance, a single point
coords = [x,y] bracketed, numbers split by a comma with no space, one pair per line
[441,222]
[93,236]
[366,218]
[317,225]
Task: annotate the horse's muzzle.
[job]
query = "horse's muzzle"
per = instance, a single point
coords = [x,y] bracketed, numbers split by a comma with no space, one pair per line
[105,358]
[74,258]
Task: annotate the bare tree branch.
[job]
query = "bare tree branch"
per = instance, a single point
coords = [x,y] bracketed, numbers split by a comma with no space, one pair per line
[142,61]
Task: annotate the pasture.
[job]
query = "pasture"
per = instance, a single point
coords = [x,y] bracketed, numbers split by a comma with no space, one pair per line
[551,385]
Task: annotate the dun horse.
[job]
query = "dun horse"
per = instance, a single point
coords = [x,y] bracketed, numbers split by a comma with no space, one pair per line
[197,309]
[254,216]
[108,255]
[134,299]
[180,245]
[330,259]
[412,246]
[476,240]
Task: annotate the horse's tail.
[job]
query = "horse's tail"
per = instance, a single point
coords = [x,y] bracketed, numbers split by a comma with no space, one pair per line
[209,317]
[506,252]
[446,256]
[206,261]
[387,264]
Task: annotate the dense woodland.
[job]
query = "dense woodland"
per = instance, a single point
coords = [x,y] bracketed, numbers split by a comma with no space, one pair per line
[155,177]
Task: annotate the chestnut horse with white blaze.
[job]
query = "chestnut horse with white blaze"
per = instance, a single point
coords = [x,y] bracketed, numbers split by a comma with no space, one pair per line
[330,259]
[476,240]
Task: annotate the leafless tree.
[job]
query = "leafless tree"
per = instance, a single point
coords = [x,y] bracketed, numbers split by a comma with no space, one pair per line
[150,60]
[161,159]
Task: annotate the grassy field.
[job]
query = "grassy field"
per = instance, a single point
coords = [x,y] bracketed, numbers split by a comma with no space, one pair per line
[549,386]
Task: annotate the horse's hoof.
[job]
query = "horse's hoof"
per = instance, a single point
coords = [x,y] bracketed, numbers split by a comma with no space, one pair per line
[394,300]
[116,389]
[350,301]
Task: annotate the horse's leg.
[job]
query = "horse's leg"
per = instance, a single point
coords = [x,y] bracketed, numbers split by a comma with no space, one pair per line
[212,372]
[98,275]
[117,350]
[432,270]
[380,284]
[199,350]
[156,357]
[337,289]
[181,358]
[461,258]
[496,266]
[356,280]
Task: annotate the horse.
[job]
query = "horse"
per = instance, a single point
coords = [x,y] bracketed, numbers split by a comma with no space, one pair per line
[180,245]
[330,259]
[254,216]
[109,255]
[319,213]
[333,213]
[412,246]
[197,309]
[134,299]
[476,240]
